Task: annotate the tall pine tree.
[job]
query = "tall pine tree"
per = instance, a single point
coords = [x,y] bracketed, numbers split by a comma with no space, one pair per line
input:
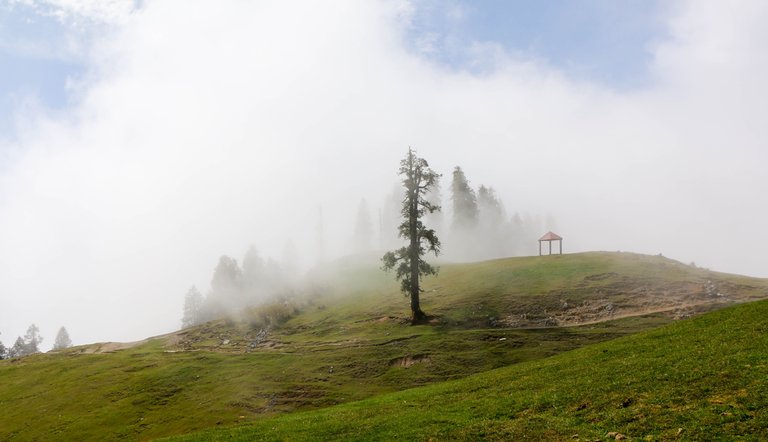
[417,179]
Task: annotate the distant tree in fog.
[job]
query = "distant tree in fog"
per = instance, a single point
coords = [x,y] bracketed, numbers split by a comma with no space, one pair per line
[28,345]
[226,293]
[494,234]
[3,351]
[193,308]
[435,197]
[18,349]
[417,180]
[490,209]
[253,270]
[32,340]
[464,201]
[389,218]
[226,276]
[62,340]
[363,236]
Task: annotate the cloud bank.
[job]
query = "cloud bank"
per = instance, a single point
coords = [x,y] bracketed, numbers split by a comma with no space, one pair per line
[200,130]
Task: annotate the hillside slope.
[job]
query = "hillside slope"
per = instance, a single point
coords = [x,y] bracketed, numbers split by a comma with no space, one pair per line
[351,340]
[700,379]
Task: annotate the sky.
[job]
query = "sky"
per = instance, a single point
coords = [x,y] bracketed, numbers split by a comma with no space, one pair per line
[139,141]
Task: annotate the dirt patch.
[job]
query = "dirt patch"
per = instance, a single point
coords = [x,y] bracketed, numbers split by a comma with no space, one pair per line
[607,296]
[600,276]
[109,347]
[222,338]
[285,400]
[408,361]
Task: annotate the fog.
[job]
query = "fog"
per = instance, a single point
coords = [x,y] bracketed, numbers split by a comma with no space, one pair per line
[199,131]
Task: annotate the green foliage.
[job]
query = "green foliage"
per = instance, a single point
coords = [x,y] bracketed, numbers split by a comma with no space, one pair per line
[274,313]
[418,180]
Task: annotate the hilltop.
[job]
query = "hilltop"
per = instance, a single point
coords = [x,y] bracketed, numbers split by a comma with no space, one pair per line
[350,340]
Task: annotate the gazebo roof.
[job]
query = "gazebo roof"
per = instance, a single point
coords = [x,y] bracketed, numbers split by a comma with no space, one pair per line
[549,236]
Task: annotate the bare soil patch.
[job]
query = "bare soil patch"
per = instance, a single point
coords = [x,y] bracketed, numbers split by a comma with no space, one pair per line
[408,361]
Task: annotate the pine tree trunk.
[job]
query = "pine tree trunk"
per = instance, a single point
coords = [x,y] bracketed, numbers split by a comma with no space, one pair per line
[417,314]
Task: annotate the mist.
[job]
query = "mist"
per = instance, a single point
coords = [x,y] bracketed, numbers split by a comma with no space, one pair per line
[200,131]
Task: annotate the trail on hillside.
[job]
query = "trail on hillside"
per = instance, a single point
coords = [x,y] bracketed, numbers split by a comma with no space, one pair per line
[681,311]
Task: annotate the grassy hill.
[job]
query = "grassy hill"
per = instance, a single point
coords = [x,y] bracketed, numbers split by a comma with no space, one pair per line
[701,379]
[350,340]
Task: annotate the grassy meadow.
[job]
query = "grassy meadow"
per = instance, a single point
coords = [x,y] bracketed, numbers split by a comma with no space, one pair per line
[347,348]
[701,379]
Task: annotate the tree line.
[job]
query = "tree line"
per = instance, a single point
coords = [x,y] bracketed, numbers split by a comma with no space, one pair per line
[474,223]
[478,225]
[235,287]
[30,343]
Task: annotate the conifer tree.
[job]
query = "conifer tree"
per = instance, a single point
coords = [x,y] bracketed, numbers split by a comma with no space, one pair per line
[493,234]
[193,306]
[491,211]
[62,340]
[18,349]
[464,201]
[32,340]
[417,179]
[226,287]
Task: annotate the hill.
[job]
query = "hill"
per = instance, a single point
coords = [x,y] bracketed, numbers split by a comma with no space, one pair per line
[350,340]
[701,379]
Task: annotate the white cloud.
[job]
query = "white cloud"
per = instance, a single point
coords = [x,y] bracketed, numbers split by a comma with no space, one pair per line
[204,128]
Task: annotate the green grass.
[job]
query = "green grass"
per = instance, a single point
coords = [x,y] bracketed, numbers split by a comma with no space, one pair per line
[346,342]
[700,379]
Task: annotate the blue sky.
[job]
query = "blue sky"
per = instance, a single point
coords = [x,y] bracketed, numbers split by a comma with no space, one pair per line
[599,41]
[35,60]
[602,41]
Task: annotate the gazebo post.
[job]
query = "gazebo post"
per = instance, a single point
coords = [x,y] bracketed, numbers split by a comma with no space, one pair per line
[549,237]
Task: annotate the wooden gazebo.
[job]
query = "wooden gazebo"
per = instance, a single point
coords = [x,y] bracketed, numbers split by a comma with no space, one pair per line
[549,237]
